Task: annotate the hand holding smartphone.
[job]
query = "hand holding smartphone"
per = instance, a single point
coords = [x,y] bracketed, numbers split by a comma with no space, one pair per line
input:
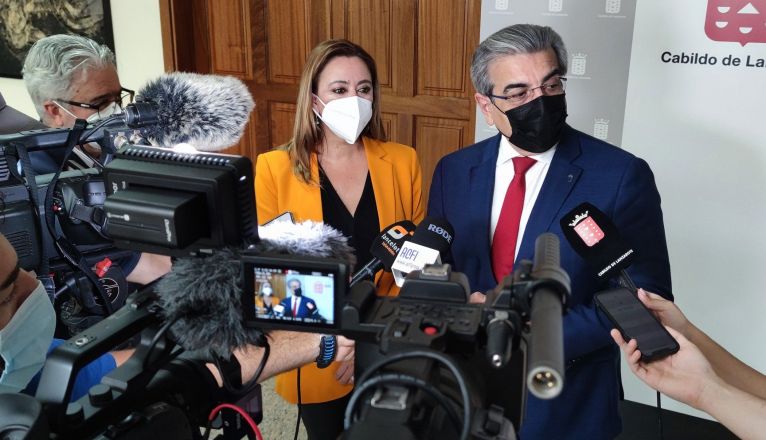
[635,321]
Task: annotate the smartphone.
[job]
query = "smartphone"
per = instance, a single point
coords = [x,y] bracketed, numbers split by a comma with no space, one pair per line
[635,321]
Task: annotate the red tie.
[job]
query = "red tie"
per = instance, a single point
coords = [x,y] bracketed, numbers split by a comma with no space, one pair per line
[295,307]
[507,230]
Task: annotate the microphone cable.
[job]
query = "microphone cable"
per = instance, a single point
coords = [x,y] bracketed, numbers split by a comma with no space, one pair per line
[298,419]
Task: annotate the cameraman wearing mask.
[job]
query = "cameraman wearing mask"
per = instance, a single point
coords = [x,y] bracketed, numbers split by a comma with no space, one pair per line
[71,77]
[27,322]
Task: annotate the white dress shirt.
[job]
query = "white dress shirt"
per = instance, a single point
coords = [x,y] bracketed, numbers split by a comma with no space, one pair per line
[504,174]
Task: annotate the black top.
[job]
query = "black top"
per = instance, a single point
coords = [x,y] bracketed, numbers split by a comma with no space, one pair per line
[362,227]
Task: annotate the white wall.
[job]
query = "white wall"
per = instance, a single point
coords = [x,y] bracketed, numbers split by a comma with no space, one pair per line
[138,47]
[700,128]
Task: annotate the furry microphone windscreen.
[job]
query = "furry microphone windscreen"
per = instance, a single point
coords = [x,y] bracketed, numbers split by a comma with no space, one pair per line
[208,112]
[203,298]
[308,238]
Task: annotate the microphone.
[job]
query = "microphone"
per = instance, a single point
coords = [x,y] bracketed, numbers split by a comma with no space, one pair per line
[209,112]
[596,239]
[202,297]
[432,238]
[384,250]
[545,376]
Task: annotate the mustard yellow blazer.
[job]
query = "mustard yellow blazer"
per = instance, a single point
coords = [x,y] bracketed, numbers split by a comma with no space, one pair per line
[396,181]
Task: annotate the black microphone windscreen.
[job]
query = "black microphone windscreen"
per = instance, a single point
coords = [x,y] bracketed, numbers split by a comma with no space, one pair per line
[208,112]
[202,297]
[596,239]
[435,233]
[387,245]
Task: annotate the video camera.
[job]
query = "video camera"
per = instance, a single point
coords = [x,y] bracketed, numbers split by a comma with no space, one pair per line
[428,364]
[420,356]
[155,200]
[56,222]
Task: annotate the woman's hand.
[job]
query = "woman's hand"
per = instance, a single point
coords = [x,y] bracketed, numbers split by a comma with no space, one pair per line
[666,311]
[684,376]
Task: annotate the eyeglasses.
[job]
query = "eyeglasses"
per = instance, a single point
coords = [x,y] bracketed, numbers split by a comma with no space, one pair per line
[122,99]
[552,87]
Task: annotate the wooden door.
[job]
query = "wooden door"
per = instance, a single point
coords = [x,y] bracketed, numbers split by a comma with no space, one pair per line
[422,49]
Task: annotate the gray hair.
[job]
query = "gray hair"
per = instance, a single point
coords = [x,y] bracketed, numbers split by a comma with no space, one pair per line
[512,40]
[53,63]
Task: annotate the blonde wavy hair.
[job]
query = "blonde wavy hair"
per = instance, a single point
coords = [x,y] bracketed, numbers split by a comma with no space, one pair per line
[307,133]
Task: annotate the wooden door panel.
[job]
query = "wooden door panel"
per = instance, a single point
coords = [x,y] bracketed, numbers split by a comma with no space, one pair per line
[230,41]
[281,120]
[442,55]
[436,137]
[286,40]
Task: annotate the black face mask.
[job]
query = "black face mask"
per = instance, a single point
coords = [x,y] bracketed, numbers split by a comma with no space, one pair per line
[537,125]
[297,292]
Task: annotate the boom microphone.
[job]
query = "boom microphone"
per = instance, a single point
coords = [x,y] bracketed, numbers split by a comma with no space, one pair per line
[384,250]
[202,296]
[209,112]
[596,239]
[431,239]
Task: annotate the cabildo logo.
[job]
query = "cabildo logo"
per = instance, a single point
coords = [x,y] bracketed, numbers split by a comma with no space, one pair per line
[743,21]
[740,21]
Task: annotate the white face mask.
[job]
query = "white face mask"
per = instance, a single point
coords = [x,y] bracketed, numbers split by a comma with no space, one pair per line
[109,110]
[24,342]
[266,290]
[346,117]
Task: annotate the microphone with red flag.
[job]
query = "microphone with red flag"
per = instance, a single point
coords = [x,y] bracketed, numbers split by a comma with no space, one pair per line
[384,250]
[596,239]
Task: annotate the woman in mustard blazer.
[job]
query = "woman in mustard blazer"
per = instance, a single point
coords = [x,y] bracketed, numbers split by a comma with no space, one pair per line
[339,169]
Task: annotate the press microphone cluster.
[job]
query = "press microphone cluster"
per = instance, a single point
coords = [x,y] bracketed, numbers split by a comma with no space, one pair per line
[384,250]
[430,241]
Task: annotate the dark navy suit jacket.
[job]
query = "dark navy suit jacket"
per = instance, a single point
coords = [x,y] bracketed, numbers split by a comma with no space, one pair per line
[583,169]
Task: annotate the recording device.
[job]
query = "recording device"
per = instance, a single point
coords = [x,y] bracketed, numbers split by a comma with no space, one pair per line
[206,111]
[635,321]
[596,239]
[384,250]
[429,365]
[431,239]
[150,199]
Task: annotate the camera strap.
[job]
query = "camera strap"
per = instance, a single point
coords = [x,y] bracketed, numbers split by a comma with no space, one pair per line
[43,270]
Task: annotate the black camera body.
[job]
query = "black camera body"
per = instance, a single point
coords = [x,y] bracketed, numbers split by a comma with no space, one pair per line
[491,345]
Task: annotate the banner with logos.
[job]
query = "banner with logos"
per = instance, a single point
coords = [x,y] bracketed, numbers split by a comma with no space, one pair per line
[681,84]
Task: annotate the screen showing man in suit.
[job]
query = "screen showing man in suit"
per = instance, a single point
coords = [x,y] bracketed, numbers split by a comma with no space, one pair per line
[287,294]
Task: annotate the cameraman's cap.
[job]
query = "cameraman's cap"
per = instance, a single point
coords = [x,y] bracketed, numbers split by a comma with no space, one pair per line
[14,121]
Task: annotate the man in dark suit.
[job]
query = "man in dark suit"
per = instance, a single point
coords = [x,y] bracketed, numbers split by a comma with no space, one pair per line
[297,305]
[502,193]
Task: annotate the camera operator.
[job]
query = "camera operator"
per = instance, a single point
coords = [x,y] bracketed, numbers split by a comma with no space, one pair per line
[27,322]
[702,374]
[71,77]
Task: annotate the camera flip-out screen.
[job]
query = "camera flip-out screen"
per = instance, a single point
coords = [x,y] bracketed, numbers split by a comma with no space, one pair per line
[300,294]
